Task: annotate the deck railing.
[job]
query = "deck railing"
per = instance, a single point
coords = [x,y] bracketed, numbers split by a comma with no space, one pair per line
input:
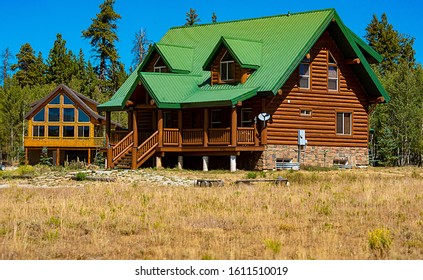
[80,142]
[147,146]
[192,136]
[170,136]
[219,136]
[245,136]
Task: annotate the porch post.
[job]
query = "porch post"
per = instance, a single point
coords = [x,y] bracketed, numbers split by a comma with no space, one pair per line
[233,163]
[108,136]
[205,163]
[180,162]
[264,129]
[57,157]
[234,129]
[206,127]
[160,126]
[256,135]
[89,156]
[180,128]
[135,144]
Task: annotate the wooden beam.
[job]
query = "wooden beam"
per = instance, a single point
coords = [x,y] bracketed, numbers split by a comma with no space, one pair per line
[135,128]
[180,128]
[352,61]
[206,127]
[264,129]
[89,156]
[233,126]
[160,126]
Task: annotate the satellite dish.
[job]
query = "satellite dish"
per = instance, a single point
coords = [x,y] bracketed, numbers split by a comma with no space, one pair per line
[264,117]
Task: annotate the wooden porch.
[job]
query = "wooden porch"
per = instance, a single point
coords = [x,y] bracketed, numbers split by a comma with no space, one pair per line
[136,146]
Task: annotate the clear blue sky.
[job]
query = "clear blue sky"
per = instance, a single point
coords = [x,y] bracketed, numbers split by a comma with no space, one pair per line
[38,22]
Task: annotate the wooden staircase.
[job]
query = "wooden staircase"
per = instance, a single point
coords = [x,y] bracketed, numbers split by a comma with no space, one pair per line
[122,152]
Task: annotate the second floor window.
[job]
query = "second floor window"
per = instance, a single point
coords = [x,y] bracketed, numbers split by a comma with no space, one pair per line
[227,68]
[305,73]
[159,66]
[216,118]
[332,74]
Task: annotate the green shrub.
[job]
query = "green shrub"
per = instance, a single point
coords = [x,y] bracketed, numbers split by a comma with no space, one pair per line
[25,170]
[274,245]
[380,241]
[251,175]
[81,176]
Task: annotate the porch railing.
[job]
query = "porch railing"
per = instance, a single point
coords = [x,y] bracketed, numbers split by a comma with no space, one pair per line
[193,136]
[245,136]
[170,136]
[219,136]
[147,147]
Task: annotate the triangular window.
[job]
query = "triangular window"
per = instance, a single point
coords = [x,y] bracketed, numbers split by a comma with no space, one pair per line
[227,68]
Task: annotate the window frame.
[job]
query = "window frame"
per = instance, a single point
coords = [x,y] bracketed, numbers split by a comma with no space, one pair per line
[305,112]
[64,115]
[229,65]
[43,110]
[37,128]
[82,128]
[341,130]
[332,63]
[48,113]
[64,130]
[216,124]
[159,69]
[305,62]
[247,122]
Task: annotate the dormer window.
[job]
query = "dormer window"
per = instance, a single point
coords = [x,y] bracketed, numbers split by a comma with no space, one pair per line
[159,66]
[305,73]
[227,68]
[332,73]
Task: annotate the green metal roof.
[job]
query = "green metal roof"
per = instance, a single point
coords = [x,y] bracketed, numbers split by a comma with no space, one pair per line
[246,52]
[274,46]
[179,59]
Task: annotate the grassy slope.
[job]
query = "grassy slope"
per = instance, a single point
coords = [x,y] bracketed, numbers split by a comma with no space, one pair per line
[321,215]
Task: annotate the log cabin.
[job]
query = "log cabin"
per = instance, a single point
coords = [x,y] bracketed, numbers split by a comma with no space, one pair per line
[238,94]
[68,125]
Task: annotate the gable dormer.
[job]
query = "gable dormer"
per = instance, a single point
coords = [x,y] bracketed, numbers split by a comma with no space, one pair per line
[233,60]
[163,58]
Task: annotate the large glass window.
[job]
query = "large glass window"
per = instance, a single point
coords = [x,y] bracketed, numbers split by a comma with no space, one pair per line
[68,114]
[305,73]
[38,130]
[83,131]
[227,68]
[53,114]
[39,117]
[68,131]
[67,100]
[55,100]
[53,131]
[343,123]
[82,117]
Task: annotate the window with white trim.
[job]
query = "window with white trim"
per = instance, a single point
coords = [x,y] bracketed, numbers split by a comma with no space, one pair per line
[304,73]
[305,112]
[227,68]
[38,130]
[159,66]
[343,123]
[332,73]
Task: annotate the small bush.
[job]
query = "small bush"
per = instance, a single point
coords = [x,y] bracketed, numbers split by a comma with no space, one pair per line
[251,175]
[380,241]
[25,170]
[81,176]
[274,245]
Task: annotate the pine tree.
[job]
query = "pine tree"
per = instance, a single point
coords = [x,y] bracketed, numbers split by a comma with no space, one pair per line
[191,17]
[102,36]
[28,73]
[5,65]
[140,47]
[395,48]
[59,62]
[214,17]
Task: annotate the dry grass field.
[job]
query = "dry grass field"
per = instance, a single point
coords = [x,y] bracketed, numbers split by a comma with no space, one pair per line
[348,214]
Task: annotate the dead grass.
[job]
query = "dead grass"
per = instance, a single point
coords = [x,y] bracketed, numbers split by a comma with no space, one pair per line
[321,215]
